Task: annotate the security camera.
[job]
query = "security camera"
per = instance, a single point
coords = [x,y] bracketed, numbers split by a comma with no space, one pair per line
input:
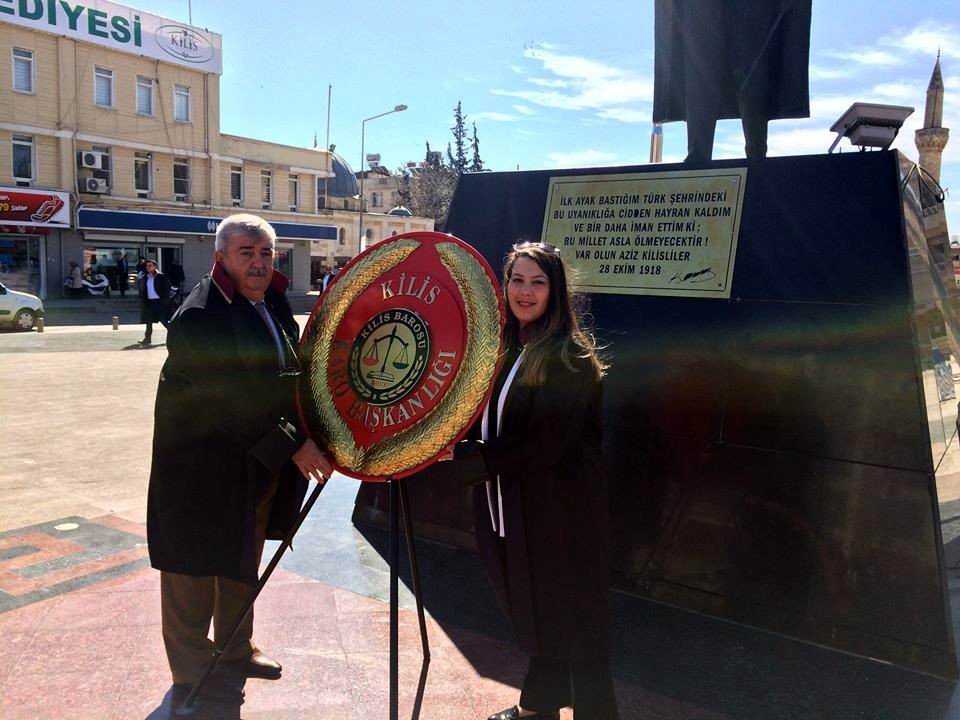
[870,125]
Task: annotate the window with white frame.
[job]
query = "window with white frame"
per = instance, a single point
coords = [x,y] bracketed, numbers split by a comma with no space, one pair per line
[142,174]
[181,178]
[23,70]
[23,164]
[144,95]
[377,200]
[103,86]
[293,192]
[321,194]
[236,185]
[181,103]
[266,188]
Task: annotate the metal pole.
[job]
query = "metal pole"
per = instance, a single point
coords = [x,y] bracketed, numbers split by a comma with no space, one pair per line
[363,160]
[394,600]
[363,131]
[414,567]
[187,707]
[326,180]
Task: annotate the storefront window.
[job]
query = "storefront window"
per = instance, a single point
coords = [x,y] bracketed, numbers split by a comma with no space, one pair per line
[282,261]
[20,263]
[106,259]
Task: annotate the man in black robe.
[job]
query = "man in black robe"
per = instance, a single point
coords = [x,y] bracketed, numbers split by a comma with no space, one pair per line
[230,461]
[722,59]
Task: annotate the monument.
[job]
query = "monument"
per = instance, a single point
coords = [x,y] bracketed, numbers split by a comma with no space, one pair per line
[722,59]
[779,331]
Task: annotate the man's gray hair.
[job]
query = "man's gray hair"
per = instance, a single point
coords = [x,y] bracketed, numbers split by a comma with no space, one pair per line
[243,224]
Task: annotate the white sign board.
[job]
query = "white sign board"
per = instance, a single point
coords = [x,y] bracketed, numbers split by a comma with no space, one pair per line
[121,28]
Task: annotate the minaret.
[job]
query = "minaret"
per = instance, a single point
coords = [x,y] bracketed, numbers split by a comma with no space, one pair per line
[656,143]
[932,138]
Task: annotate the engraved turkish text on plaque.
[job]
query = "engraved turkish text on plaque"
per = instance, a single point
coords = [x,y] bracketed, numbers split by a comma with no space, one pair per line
[666,233]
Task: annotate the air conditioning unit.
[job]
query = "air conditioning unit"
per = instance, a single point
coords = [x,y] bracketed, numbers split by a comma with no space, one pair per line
[93,185]
[90,159]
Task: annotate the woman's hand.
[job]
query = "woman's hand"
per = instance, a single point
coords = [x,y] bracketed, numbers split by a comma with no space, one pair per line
[447,454]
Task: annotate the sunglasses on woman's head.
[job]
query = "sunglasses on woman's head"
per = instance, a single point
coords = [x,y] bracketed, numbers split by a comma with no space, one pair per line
[546,247]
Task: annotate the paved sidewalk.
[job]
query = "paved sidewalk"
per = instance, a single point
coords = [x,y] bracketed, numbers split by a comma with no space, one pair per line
[79,606]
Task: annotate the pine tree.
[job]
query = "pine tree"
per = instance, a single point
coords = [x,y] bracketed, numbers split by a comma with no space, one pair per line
[476,165]
[450,159]
[458,159]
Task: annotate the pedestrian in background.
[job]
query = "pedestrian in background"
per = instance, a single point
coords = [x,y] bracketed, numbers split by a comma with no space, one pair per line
[123,275]
[75,280]
[154,290]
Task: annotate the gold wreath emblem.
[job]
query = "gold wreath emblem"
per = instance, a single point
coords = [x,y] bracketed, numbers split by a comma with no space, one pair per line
[427,437]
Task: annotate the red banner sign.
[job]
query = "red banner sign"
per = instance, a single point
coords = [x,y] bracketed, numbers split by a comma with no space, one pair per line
[401,351]
[34,208]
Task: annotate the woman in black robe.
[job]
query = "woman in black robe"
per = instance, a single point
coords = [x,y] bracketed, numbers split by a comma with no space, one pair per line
[542,519]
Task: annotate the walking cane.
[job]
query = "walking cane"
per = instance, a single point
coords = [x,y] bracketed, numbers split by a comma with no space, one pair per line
[188,707]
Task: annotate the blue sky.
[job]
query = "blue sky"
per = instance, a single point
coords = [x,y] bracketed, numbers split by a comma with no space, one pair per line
[549,84]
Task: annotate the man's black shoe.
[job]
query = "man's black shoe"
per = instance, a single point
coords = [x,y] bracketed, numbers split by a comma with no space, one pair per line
[257,665]
[514,714]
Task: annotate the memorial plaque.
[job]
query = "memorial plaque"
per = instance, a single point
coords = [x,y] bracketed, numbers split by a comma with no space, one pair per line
[662,233]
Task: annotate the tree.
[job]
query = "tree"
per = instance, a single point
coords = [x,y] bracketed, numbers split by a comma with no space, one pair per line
[476,165]
[428,189]
[458,158]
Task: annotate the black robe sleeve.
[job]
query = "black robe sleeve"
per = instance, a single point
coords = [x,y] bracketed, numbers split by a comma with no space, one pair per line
[555,418]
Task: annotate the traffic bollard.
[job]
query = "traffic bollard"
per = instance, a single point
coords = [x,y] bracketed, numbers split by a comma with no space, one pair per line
[39,324]
[116,322]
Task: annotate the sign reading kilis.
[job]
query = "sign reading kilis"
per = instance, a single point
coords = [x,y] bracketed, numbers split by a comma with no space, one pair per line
[121,28]
[400,353]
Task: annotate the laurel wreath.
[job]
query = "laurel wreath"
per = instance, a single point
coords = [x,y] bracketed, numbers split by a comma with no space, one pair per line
[427,437]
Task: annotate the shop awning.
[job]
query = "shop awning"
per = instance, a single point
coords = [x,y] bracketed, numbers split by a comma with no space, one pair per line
[159,223]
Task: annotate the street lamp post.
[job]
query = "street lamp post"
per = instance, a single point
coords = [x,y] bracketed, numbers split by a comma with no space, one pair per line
[363,161]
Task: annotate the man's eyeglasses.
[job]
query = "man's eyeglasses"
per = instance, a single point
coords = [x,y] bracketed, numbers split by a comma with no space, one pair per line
[546,247]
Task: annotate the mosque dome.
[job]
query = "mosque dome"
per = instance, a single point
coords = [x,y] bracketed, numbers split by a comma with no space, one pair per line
[344,183]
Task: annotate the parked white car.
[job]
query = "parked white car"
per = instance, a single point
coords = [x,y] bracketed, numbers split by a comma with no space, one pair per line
[19,309]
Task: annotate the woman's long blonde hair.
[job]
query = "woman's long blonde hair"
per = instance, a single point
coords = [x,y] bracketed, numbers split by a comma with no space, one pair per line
[561,323]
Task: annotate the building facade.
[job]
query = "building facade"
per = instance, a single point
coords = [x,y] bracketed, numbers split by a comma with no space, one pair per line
[111,119]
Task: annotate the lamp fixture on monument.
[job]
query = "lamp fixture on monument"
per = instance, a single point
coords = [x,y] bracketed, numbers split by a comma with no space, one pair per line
[363,171]
[870,125]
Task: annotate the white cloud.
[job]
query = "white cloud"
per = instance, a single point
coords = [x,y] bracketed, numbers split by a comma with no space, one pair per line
[927,38]
[524,110]
[626,115]
[550,83]
[494,116]
[579,83]
[897,90]
[579,158]
[866,56]
[819,72]
[824,109]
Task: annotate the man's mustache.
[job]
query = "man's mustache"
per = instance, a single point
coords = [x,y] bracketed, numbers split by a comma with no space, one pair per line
[256,273]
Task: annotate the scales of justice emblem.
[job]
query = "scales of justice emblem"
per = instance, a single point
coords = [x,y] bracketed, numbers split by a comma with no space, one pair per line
[400,354]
